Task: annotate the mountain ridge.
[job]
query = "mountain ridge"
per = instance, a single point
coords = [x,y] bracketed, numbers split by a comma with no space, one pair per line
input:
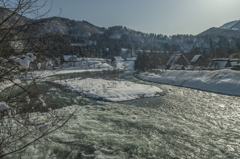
[83,33]
[229,29]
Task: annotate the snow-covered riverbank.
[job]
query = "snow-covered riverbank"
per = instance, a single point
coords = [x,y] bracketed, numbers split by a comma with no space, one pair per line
[220,81]
[110,90]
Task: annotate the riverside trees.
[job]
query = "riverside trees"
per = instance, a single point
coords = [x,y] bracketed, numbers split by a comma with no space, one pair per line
[25,115]
[147,61]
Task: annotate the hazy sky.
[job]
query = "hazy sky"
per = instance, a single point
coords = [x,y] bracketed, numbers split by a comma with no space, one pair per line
[151,16]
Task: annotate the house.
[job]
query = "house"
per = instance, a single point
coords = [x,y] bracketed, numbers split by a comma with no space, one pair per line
[234,62]
[177,67]
[220,63]
[102,60]
[123,50]
[131,58]
[177,59]
[198,60]
[70,60]
[118,58]
[117,61]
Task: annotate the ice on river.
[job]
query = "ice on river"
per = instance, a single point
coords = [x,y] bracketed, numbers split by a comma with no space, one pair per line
[110,90]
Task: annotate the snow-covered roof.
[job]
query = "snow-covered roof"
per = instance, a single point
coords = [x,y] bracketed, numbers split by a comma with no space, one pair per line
[147,51]
[234,60]
[174,58]
[118,58]
[195,58]
[235,29]
[219,64]
[221,59]
[95,59]
[131,58]
[124,50]
[233,63]
[67,57]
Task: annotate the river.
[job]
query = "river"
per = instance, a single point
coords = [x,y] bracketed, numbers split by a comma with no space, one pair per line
[184,123]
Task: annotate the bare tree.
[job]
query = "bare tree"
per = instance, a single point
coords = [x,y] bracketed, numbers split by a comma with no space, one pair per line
[25,115]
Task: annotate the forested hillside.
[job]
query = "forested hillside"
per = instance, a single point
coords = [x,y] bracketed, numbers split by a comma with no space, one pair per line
[82,38]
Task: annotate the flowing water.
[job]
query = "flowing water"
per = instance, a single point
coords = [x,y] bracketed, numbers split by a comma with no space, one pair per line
[185,123]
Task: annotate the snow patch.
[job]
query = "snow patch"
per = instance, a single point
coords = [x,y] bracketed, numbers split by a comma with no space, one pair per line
[24,61]
[229,25]
[110,90]
[221,81]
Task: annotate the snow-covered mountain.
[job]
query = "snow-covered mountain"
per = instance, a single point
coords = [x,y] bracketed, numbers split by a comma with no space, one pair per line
[234,25]
[230,29]
[116,37]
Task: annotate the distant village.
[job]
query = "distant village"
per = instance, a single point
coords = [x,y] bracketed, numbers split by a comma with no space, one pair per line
[126,61]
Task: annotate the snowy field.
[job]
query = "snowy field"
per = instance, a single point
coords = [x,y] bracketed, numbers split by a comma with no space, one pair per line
[46,73]
[221,81]
[66,71]
[41,74]
[110,90]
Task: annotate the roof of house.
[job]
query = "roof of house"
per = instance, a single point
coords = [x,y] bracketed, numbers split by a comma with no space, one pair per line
[124,50]
[131,58]
[67,57]
[219,64]
[221,59]
[174,58]
[234,63]
[93,59]
[195,58]
[118,58]
[234,60]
